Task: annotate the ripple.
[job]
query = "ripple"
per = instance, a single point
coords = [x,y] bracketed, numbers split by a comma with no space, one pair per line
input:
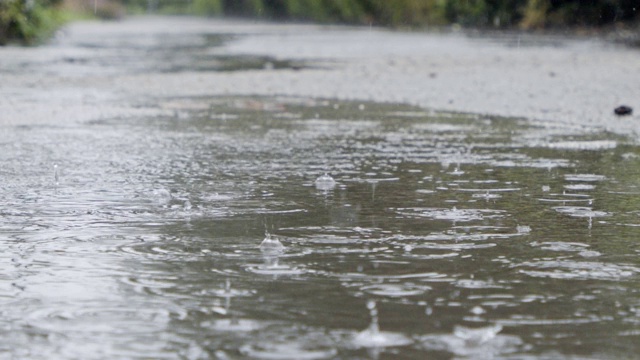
[573,270]
[396,290]
[290,343]
[580,248]
[453,214]
[272,266]
[580,211]
[530,320]
[585,177]
[371,338]
[101,319]
[479,343]
[494,190]
[234,325]
[584,145]
[579,187]
[457,246]
[477,284]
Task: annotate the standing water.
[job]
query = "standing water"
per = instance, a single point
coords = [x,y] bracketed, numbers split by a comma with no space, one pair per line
[155,213]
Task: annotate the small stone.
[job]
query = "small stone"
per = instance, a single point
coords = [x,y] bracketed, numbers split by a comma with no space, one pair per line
[623,110]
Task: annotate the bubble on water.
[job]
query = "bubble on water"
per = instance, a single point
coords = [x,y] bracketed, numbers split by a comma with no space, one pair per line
[325,182]
[523,229]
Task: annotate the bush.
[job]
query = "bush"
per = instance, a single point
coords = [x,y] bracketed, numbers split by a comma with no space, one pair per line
[27,21]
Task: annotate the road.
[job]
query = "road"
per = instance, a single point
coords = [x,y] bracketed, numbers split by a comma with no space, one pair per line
[98,69]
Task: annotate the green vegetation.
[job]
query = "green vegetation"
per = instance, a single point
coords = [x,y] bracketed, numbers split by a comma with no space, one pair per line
[478,13]
[29,20]
[32,21]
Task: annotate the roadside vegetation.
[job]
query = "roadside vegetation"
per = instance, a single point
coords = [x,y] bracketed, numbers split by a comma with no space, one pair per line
[416,13]
[32,21]
[29,20]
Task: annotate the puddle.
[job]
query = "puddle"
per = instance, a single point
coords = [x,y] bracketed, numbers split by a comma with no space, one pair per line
[263,226]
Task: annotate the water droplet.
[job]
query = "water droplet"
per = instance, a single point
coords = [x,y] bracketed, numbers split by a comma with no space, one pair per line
[56,174]
[428,310]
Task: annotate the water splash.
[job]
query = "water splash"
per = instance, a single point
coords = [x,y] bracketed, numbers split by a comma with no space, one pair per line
[477,336]
[475,343]
[271,245]
[162,196]
[372,337]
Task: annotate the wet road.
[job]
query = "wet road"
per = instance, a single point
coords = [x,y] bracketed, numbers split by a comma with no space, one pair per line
[94,69]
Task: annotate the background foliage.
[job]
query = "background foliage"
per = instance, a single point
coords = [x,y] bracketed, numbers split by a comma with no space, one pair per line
[493,13]
[25,19]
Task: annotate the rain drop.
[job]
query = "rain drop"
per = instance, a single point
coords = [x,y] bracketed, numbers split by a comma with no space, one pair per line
[56,174]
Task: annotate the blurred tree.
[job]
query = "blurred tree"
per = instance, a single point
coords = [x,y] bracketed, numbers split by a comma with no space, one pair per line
[207,7]
[26,20]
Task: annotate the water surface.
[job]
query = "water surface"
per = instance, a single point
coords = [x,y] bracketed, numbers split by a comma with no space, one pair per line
[442,235]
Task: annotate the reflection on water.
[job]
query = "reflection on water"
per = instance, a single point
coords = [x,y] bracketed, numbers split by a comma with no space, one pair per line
[390,233]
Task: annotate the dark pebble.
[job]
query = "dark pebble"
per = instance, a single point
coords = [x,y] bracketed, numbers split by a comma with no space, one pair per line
[623,110]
